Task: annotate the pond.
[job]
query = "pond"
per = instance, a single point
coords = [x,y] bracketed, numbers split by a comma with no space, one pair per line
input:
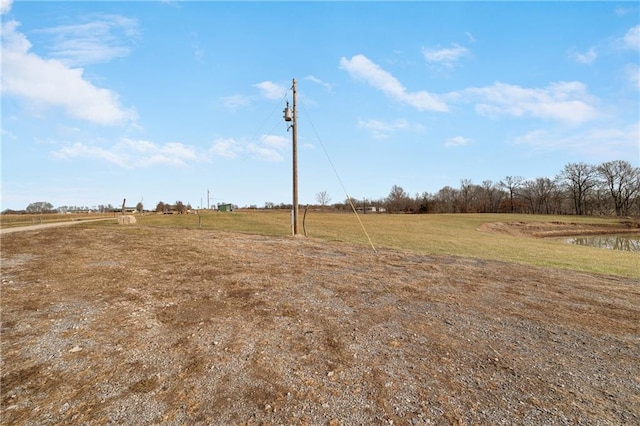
[612,242]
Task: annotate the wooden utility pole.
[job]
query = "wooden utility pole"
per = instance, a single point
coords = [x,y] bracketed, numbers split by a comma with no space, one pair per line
[295,161]
[293,117]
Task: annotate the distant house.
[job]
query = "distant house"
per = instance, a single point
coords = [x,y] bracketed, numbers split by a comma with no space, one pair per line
[225,207]
[369,209]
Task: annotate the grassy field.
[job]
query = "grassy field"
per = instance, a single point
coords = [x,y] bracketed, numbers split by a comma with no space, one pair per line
[15,220]
[456,235]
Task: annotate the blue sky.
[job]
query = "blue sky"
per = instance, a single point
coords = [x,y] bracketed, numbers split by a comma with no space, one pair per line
[160,101]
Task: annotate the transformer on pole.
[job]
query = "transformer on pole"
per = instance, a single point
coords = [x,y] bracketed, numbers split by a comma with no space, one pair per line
[292,116]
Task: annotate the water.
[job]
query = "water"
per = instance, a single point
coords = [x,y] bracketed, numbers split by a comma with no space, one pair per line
[611,242]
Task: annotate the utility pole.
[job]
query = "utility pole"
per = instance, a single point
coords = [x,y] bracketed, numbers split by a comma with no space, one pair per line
[295,161]
[289,116]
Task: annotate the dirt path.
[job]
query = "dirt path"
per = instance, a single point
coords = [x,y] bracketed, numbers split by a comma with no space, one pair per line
[40,226]
[136,325]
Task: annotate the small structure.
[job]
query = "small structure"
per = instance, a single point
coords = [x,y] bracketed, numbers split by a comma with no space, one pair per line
[225,207]
[370,209]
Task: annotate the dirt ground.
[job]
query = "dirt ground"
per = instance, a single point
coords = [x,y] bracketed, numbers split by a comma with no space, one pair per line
[561,229]
[137,325]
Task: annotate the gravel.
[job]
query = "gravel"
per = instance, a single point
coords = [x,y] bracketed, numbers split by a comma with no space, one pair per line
[135,325]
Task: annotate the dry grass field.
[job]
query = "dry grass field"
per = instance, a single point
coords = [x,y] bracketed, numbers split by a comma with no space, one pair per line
[189,324]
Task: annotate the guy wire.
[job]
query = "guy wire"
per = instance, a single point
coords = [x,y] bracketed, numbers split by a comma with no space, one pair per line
[339,180]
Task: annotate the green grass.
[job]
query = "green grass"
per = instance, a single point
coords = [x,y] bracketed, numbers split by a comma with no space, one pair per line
[455,235]
[253,222]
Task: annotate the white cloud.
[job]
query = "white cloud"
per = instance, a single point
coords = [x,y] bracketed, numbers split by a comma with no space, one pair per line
[457,141]
[234,102]
[178,150]
[631,40]
[599,143]
[567,102]
[268,148]
[361,68]
[271,90]
[313,79]
[6,134]
[633,73]
[104,38]
[383,129]
[141,146]
[80,150]
[226,147]
[621,11]
[264,153]
[67,131]
[445,56]
[585,58]
[198,52]
[5,6]
[275,141]
[196,47]
[51,83]
[130,153]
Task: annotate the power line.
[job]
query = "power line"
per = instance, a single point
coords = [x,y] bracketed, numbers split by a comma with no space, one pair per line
[335,171]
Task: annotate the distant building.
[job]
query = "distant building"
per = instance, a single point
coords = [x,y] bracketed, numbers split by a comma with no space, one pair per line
[225,207]
[370,209]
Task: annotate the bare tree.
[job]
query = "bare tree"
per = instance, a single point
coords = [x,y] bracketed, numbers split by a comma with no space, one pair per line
[180,207]
[323,198]
[511,184]
[466,195]
[490,197]
[398,200]
[579,179]
[623,182]
[139,207]
[446,200]
[424,202]
[538,194]
[40,207]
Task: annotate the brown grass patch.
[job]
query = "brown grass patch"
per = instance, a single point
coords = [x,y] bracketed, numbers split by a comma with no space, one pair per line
[148,325]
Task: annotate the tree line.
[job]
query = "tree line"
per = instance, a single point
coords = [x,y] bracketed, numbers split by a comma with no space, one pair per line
[42,207]
[611,188]
[45,207]
[178,207]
